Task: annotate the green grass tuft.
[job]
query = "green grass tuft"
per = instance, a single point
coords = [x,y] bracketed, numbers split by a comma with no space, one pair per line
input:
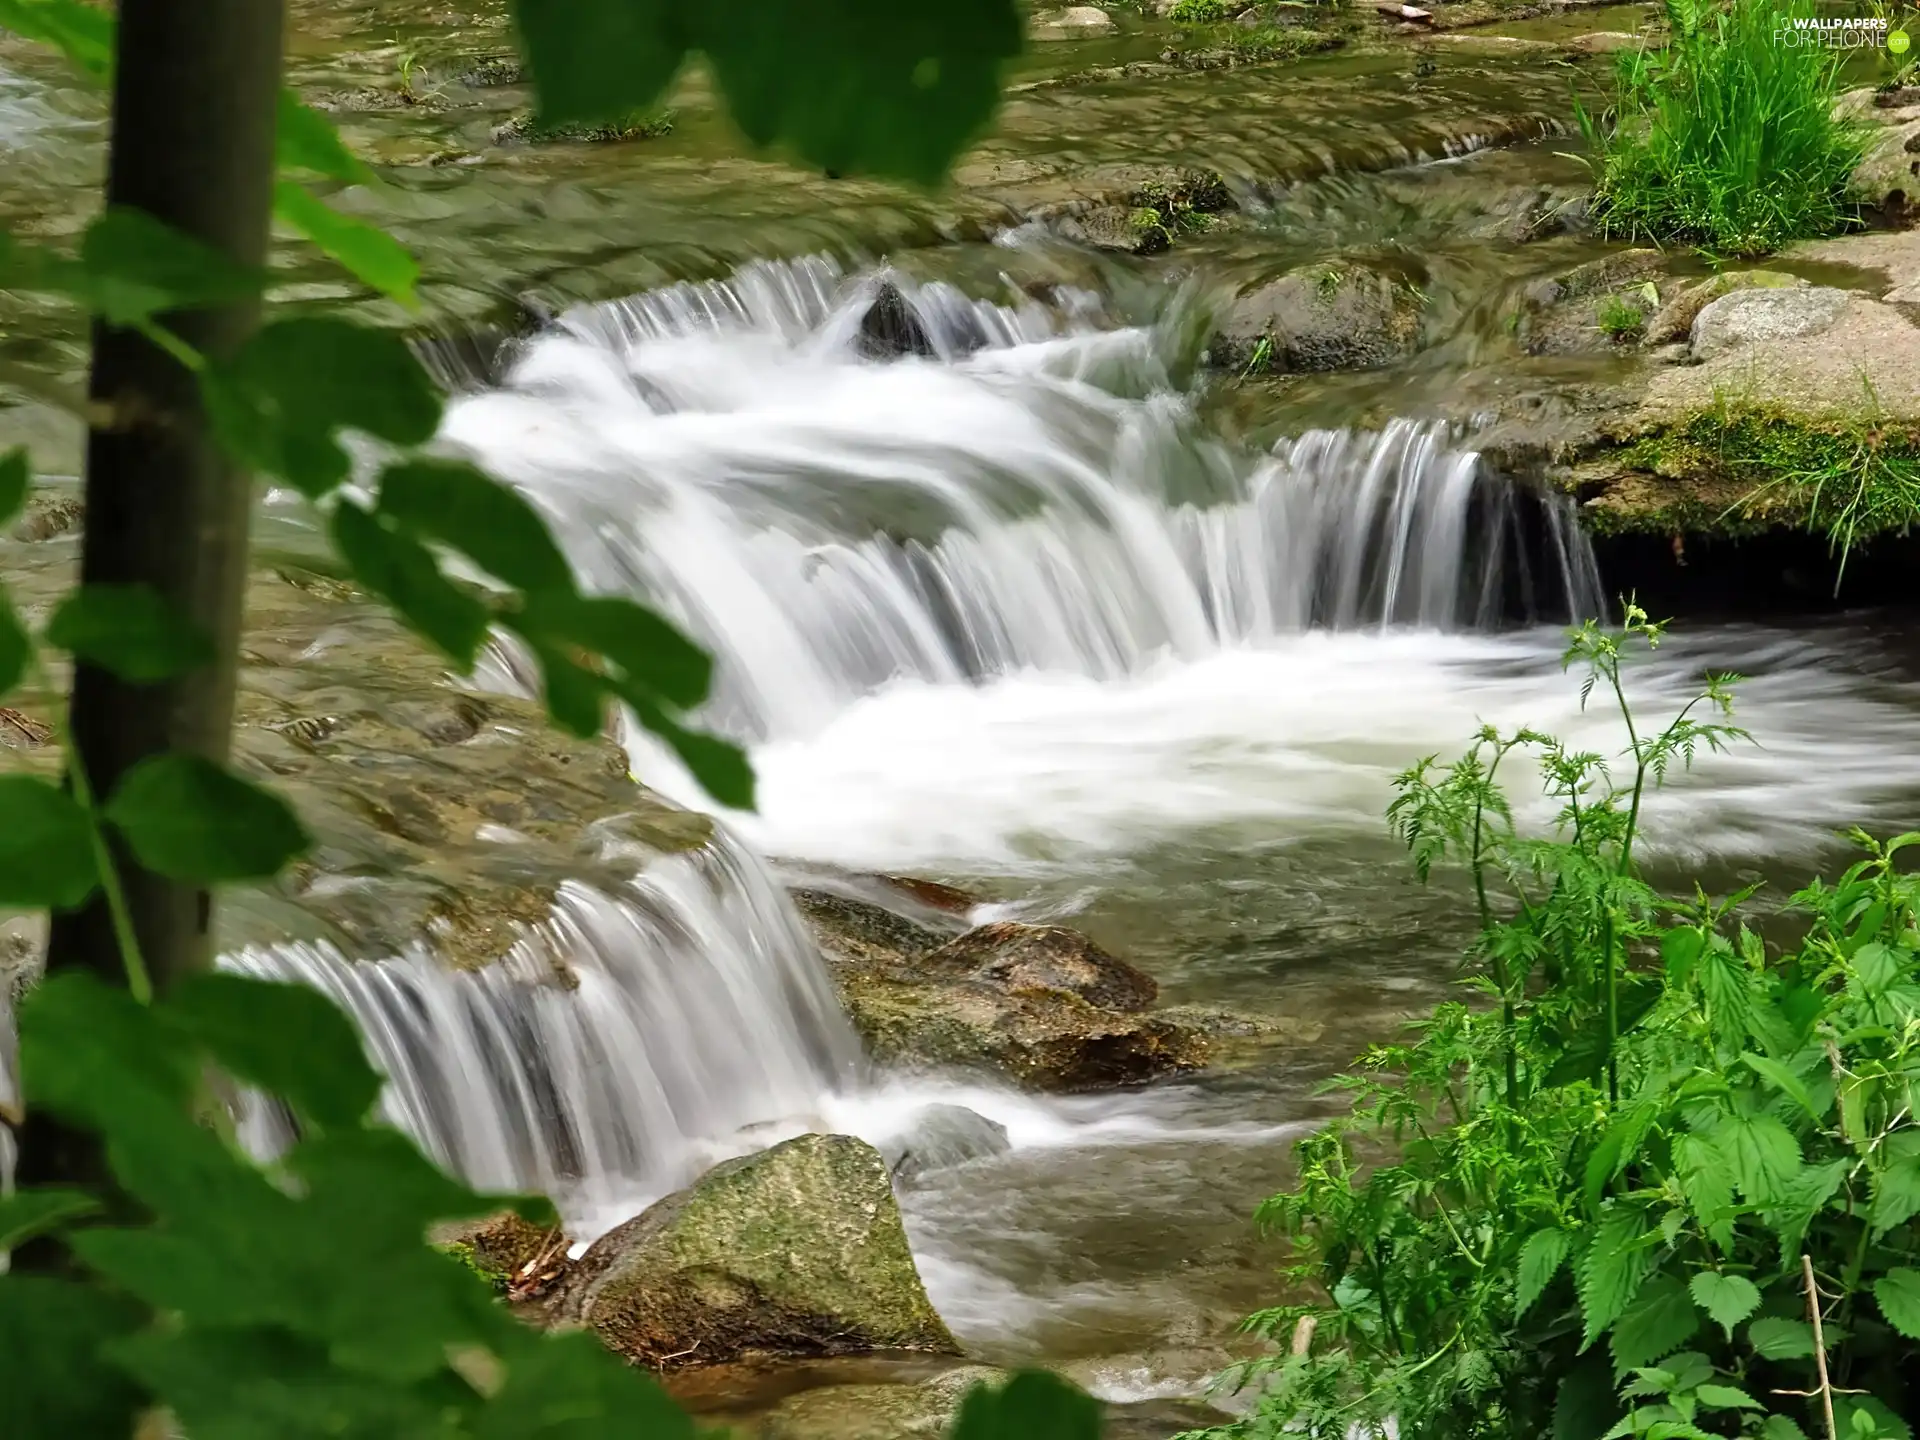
[1726,139]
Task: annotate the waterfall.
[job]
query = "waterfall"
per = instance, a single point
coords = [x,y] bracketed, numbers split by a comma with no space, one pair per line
[614,1053]
[1034,495]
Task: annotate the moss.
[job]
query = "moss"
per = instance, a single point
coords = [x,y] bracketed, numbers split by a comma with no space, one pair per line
[641,125]
[1741,469]
[468,1256]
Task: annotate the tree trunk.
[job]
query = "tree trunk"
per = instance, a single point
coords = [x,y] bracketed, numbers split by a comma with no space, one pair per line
[195,100]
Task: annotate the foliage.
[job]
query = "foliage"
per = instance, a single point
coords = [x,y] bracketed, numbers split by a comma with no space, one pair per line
[1619,318]
[1591,1200]
[197,1287]
[1727,139]
[1203,12]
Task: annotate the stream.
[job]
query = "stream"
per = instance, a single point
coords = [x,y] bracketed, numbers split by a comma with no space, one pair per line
[1050,615]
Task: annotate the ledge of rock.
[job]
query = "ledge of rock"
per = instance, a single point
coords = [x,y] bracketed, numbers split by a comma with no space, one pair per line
[1040,1005]
[798,1250]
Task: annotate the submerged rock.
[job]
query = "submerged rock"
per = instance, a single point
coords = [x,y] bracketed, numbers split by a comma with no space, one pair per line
[1128,231]
[877,1412]
[1338,316]
[1747,317]
[798,1250]
[939,1137]
[1038,1005]
[890,329]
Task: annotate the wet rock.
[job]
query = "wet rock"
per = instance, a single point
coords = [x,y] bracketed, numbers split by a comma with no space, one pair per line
[526,129]
[890,329]
[798,1250]
[1077,22]
[1609,273]
[939,1137]
[1749,316]
[877,1412]
[1045,959]
[1605,42]
[1674,320]
[1338,316]
[501,70]
[1010,1004]
[1128,231]
[1887,179]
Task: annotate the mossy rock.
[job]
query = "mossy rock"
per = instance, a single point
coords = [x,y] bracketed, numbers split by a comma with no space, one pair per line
[876,1412]
[526,129]
[798,1250]
[1337,315]
[1674,319]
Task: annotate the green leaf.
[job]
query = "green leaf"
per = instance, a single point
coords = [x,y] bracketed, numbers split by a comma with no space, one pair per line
[1612,1270]
[1617,1148]
[287,1039]
[46,846]
[850,85]
[308,141]
[571,1387]
[1876,968]
[862,85]
[650,652]
[1896,1194]
[243,1384]
[1033,1405]
[1763,1154]
[188,819]
[1805,1196]
[1898,1293]
[16,478]
[576,697]
[16,646]
[1540,1260]
[1706,1180]
[597,59]
[400,569]
[1779,1427]
[1728,1299]
[136,267]
[1726,1397]
[129,630]
[282,400]
[720,766]
[1659,1321]
[54,1378]
[92,1053]
[369,253]
[1856,1416]
[1783,1080]
[490,523]
[80,32]
[1680,952]
[28,1213]
[1778,1338]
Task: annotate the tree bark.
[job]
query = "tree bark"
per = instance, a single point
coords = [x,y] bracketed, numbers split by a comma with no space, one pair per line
[195,103]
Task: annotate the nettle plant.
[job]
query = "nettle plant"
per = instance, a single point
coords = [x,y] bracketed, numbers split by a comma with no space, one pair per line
[165,1278]
[1655,1179]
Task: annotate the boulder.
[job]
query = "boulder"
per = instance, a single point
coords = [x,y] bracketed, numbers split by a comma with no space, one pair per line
[517,1256]
[1674,319]
[798,1250]
[1321,317]
[939,1137]
[1077,22]
[1887,179]
[1031,1004]
[1045,959]
[1748,317]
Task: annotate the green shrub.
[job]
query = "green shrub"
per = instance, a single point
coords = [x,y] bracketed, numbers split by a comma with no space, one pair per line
[1593,1199]
[1727,139]
[1202,12]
